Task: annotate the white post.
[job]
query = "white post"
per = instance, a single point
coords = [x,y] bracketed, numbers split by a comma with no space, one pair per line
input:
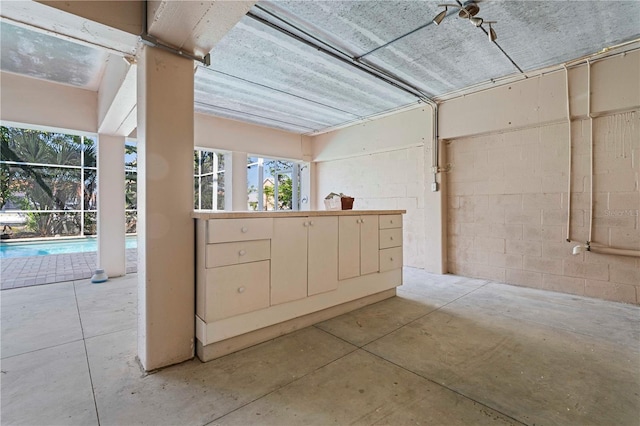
[228,178]
[111,205]
[238,184]
[214,183]
[166,312]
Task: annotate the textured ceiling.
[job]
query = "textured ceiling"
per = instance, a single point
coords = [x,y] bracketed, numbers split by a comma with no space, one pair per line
[257,72]
[455,54]
[51,58]
[261,75]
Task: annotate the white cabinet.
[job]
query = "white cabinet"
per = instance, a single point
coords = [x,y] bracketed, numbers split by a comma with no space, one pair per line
[357,246]
[323,255]
[234,290]
[390,242]
[289,259]
[233,267]
[303,257]
[223,230]
[238,252]
[258,277]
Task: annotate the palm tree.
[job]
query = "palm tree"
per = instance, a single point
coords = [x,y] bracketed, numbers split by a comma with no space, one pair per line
[45,186]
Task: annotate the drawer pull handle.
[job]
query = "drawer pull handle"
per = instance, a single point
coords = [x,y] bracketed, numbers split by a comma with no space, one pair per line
[361,220]
[391,238]
[305,224]
[242,252]
[243,229]
[311,223]
[241,289]
[391,221]
[391,259]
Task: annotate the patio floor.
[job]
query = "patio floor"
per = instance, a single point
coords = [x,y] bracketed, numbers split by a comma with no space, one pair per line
[37,270]
[448,350]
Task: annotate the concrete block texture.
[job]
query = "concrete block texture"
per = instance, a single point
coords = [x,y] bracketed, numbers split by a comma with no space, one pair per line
[511,187]
[385,180]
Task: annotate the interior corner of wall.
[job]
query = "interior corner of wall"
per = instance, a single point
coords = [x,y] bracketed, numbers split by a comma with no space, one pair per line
[306,147]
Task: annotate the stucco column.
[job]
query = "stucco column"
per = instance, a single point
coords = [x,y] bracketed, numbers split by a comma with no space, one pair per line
[111,204]
[165,203]
[238,184]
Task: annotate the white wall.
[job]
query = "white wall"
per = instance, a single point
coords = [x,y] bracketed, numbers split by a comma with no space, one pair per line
[508,195]
[40,103]
[230,135]
[381,164]
[542,99]
[243,139]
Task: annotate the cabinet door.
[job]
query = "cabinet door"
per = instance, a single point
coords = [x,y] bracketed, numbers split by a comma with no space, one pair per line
[237,289]
[348,247]
[289,259]
[368,244]
[323,254]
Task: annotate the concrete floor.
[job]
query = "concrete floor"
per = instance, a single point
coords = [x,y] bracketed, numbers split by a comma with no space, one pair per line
[448,350]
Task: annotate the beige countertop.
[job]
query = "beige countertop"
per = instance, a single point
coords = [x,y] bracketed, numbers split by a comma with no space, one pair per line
[248,214]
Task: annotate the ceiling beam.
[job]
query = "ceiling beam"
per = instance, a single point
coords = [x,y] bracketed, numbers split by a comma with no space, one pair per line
[117,98]
[123,15]
[42,17]
[194,27]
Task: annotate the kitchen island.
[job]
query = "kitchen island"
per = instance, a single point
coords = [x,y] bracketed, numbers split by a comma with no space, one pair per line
[263,274]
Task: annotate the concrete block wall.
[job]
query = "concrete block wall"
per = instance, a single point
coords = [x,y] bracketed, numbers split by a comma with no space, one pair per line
[507,206]
[385,180]
[382,164]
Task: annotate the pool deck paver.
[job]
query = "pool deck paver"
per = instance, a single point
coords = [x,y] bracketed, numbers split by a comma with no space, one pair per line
[37,270]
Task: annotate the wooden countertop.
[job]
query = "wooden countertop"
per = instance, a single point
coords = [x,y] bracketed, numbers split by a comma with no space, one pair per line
[249,214]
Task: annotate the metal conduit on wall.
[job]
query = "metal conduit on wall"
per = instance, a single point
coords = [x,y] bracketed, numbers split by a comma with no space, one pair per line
[588,246]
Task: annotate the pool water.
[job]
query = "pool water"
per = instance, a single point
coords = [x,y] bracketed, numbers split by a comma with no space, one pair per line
[45,248]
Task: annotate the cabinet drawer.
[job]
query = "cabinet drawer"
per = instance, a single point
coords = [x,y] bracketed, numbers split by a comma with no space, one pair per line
[237,289]
[388,221]
[390,238]
[225,230]
[390,258]
[241,252]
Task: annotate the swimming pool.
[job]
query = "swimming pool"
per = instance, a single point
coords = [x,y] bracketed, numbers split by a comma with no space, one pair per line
[44,248]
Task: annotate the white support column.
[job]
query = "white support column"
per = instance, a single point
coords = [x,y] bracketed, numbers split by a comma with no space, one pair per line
[165,203]
[111,204]
[238,184]
[214,183]
[228,179]
[260,188]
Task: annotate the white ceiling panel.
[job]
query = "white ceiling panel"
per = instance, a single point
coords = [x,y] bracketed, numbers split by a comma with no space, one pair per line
[50,58]
[297,65]
[537,34]
[280,75]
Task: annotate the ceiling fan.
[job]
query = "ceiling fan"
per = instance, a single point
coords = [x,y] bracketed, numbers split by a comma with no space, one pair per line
[467,10]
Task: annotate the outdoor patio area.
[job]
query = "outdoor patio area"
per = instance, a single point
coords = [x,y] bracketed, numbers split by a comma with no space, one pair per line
[37,270]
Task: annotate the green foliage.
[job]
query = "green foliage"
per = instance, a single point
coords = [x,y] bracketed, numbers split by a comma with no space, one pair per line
[285,193]
[40,186]
[205,175]
[285,184]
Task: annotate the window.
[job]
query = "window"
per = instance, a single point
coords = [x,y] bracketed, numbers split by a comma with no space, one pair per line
[209,180]
[131,186]
[273,184]
[48,183]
